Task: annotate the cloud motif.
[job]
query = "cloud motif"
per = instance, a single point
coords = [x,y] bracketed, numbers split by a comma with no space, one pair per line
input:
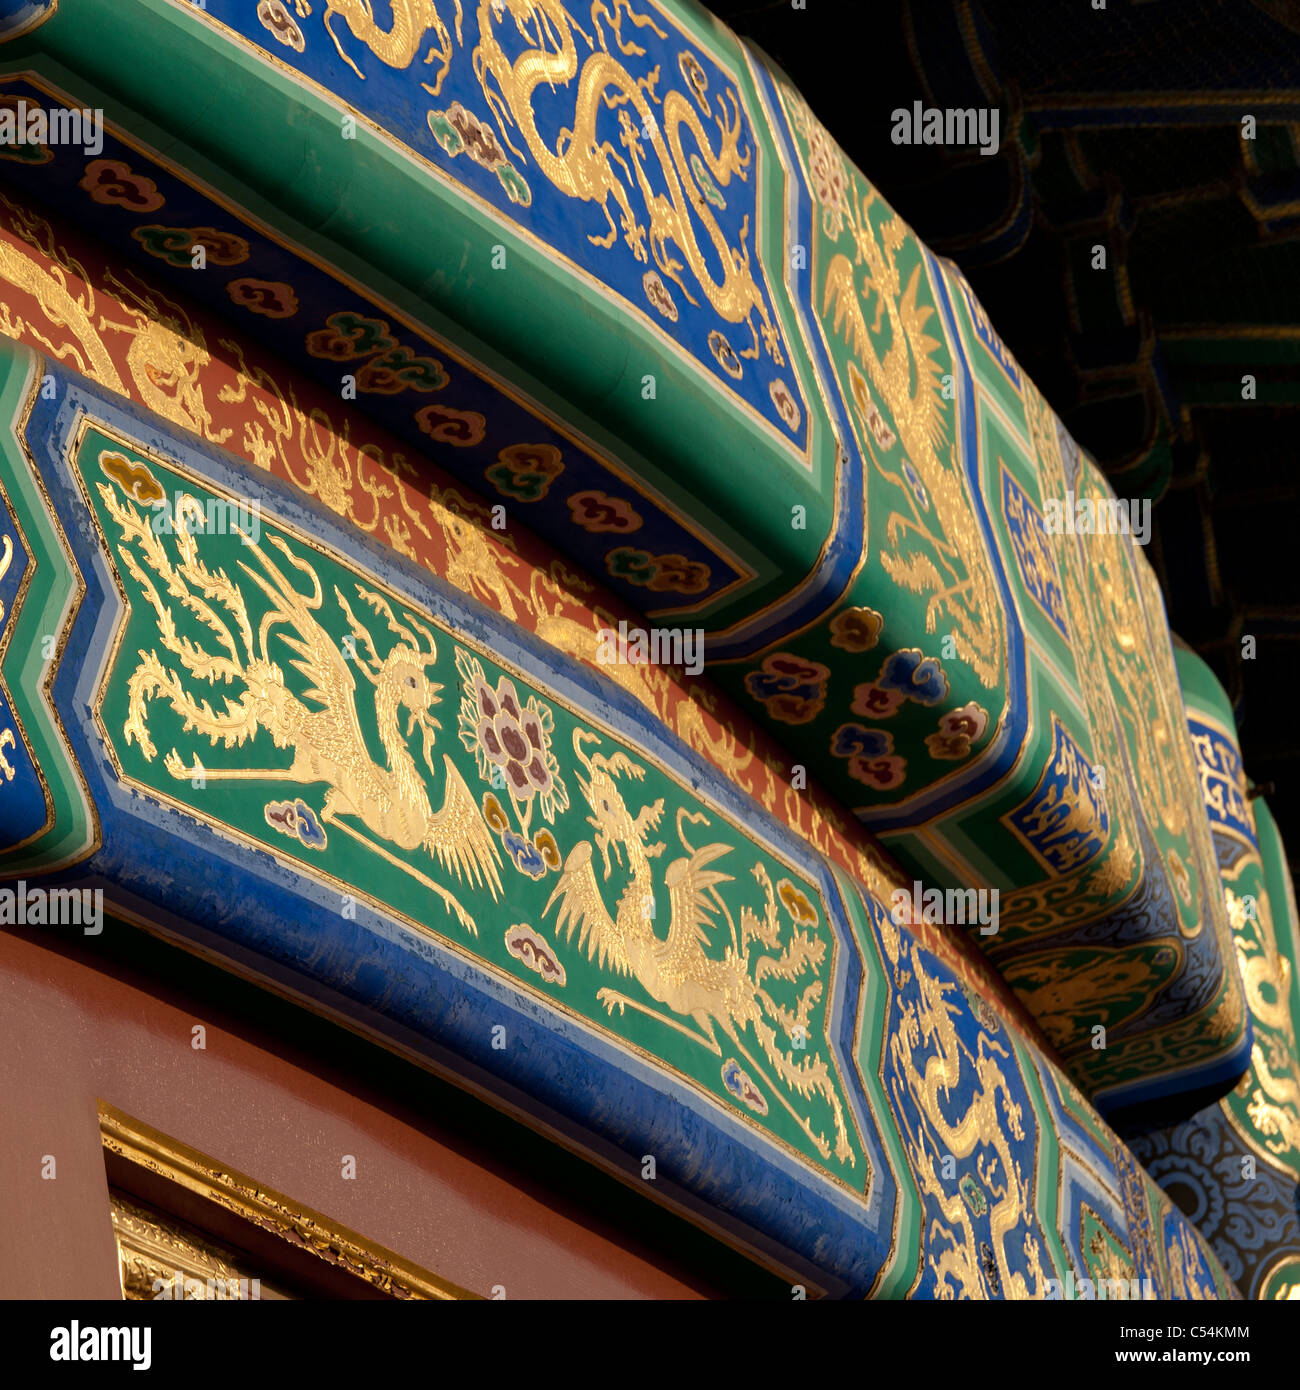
[277,19]
[175,245]
[871,756]
[532,949]
[297,820]
[659,573]
[957,731]
[525,471]
[524,855]
[914,676]
[854,741]
[348,336]
[398,370]
[856,629]
[796,903]
[446,425]
[794,690]
[597,511]
[113,183]
[272,298]
[740,1086]
[135,479]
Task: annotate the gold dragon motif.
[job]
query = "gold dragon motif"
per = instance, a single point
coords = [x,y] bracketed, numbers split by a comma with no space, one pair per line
[45,276]
[586,166]
[907,378]
[474,564]
[166,358]
[1157,747]
[930,1059]
[647,683]
[951,564]
[322,727]
[396,46]
[724,995]
[315,455]
[724,750]
[1185,1262]
[1271,1088]
[1097,883]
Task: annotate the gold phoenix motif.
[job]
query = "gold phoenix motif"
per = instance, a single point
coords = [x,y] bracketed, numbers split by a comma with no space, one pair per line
[322,727]
[724,995]
[316,454]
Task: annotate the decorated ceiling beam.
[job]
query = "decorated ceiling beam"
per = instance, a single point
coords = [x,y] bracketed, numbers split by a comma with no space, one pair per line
[609,270]
[1234,1166]
[155,352]
[274,741]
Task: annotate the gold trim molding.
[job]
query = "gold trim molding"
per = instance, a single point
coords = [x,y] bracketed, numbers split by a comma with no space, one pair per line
[162,1258]
[269,1211]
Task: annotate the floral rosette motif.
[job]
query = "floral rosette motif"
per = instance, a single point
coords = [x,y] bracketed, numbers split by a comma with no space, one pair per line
[826,169]
[511,743]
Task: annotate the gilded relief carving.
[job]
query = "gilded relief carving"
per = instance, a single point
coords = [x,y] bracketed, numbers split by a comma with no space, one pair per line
[936,547]
[321,727]
[717,996]
[256,660]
